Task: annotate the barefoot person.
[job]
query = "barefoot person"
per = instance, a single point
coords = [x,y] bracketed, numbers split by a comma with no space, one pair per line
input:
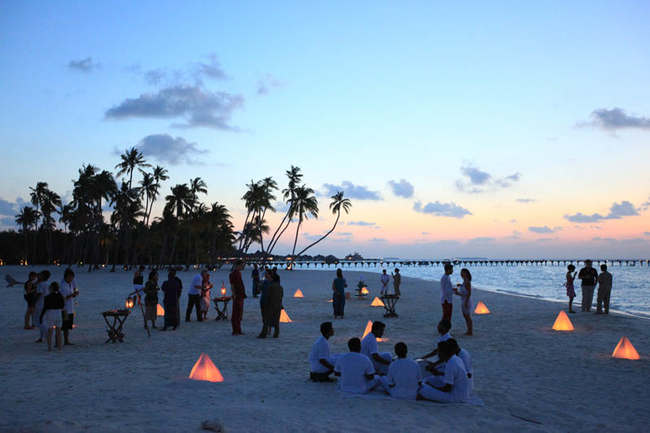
[172,289]
[69,291]
[272,307]
[444,326]
[338,296]
[321,361]
[31,295]
[151,299]
[355,370]
[404,376]
[589,277]
[604,289]
[51,315]
[205,295]
[447,293]
[570,290]
[465,293]
[380,361]
[43,289]
[453,387]
[194,297]
[397,281]
[238,294]
[255,276]
[384,279]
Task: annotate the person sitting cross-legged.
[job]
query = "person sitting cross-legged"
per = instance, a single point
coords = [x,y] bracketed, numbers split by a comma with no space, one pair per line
[380,361]
[453,386]
[444,326]
[404,376]
[321,361]
[357,375]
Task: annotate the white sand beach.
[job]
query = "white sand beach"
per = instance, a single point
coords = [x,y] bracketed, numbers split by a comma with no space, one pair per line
[529,377]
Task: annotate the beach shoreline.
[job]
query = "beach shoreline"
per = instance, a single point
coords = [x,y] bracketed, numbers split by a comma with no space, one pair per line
[529,377]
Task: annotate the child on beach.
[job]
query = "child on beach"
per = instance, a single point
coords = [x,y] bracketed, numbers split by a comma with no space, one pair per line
[570,291]
[53,305]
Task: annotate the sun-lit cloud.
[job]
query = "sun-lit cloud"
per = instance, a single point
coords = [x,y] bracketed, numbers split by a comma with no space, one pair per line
[199,107]
[403,188]
[544,229]
[616,118]
[436,208]
[84,65]
[616,211]
[351,190]
[361,223]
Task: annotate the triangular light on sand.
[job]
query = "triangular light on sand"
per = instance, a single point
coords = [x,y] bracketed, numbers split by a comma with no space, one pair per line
[625,350]
[562,323]
[365,291]
[160,311]
[367,330]
[377,302]
[481,308]
[204,369]
[298,294]
[284,317]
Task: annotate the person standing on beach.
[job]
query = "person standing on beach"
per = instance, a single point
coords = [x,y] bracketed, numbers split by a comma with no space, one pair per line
[570,289]
[51,315]
[338,296]
[194,297]
[447,293]
[589,277]
[178,306]
[397,281]
[604,289]
[151,299]
[31,295]
[172,290]
[384,283]
[272,308]
[264,290]
[465,293]
[69,291]
[255,275]
[238,293]
[138,280]
[43,289]
[205,295]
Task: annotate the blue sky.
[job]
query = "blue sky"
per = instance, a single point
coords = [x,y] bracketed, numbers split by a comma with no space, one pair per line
[521,113]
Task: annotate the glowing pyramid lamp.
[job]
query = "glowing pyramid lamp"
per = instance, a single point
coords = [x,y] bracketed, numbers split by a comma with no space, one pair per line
[625,350]
[205,370]
[298,294]
[367,330]
[365,291]
[377,302]
[160,311]
[481,308]
[284,317]
[562,323]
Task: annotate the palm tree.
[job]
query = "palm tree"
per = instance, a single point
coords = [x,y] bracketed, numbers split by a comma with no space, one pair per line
[159,175]
[197,185]
[221,228]
[338,203]
[304,203]
[26,219]
[288,193]
[179,202]
[131,159]
[50,204]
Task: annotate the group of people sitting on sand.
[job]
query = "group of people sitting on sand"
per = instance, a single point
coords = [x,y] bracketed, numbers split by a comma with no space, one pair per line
[50,306]
[447,380]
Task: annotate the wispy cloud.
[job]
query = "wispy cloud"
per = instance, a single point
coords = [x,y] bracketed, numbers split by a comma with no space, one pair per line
[267,83]
[378,240]
[544,229]
[403,188]
[436,208]
[165,148]
[197,73]
[197,106]
[616,211]
[476,181]
[361,223]
[616,118]
[526,200]
[84,65]
[351,190]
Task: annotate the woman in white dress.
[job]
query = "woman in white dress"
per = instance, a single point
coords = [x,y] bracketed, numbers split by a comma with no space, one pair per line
[465,293]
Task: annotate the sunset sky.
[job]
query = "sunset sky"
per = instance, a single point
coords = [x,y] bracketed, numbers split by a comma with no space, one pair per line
[495,129]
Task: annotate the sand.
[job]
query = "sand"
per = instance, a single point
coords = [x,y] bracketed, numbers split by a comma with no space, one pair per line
[530,378]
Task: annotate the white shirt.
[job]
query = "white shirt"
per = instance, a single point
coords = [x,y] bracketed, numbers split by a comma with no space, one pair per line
[384,280]
[196,281]
[444,337]
[467,360]
[320,350]
[446,291]
[369,345]
[406,375]
[353,367]
[44,289]
[456,376]
[67,290]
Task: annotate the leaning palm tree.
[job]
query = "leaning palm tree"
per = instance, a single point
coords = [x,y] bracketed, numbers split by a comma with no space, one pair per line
[288,193]
[304,204]
[338,203]
[131,159]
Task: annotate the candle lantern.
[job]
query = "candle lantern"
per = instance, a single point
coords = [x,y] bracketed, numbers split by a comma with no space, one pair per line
[129,302]
[223,290]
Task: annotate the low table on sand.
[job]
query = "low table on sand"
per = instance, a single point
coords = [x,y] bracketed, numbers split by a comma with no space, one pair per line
[389,304]
[221,305]
[115,327]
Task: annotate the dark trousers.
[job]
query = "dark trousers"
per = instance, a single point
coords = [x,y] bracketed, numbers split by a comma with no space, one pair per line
[603,297]
[170,315]
[447,308]
[338,303]
[194,301]
[237,313]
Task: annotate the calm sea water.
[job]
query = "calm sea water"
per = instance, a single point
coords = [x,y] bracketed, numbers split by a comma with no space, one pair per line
[630,291]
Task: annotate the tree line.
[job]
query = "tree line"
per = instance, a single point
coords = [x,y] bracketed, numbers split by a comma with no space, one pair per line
[188,231]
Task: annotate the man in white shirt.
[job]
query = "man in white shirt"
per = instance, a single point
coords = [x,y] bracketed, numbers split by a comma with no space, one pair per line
[447,292]
[404,376]
[453,387]
[42,289]
[444,326]
[380,361]
[194,296]
[321,361]
[384,283]
[68,289]
[355,370]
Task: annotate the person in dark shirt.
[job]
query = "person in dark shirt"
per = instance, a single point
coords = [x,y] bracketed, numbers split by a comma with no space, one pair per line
[238,294]
[264,290]
[53,309]
[151,299]
[172,291]
[255,275]
[589,277]
[178,310]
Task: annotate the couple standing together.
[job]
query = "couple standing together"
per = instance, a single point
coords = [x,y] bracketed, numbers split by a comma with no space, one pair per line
[464,290]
